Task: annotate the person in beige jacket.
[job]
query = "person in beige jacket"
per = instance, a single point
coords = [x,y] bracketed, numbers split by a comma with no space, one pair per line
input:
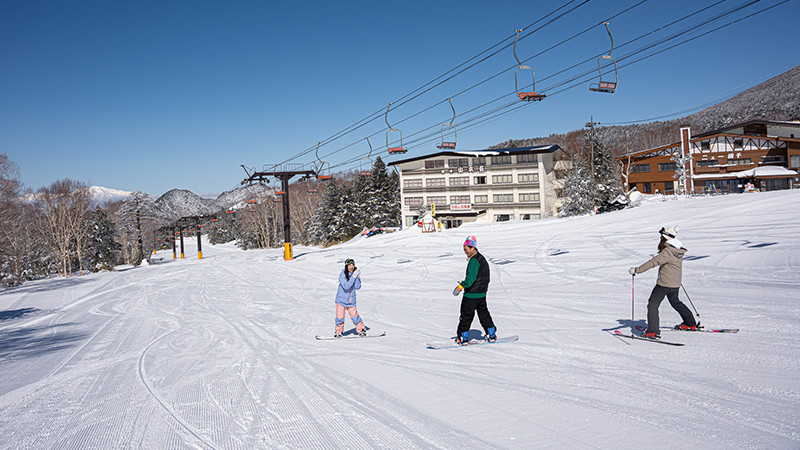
[669,261]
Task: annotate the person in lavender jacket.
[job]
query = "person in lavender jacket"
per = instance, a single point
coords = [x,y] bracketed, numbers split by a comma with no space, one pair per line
[349,283]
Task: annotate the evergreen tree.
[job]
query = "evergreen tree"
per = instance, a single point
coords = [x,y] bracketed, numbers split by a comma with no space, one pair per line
[102,248]
[383,197]
[606,179]
[578,192]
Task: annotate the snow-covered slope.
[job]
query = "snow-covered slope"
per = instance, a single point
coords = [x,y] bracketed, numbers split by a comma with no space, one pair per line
[220,352]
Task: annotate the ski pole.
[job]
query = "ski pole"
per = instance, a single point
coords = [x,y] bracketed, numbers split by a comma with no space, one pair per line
[633,278]
[690,300]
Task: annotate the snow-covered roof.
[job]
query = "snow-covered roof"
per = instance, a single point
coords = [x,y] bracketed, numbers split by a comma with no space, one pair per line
[758,172]
[479,153]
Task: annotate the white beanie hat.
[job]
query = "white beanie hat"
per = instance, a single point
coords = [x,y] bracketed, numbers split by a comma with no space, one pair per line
[670,232]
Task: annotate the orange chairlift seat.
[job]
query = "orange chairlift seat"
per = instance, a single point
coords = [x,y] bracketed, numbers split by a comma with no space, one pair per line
[393,150]
[605,85]
[449,145]
[321,174]
[529,96]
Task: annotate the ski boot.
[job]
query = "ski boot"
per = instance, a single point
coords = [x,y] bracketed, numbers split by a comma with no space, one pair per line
[491,335]
[362,333]
[337,334]
[463,339]
[654,335]
[684,327]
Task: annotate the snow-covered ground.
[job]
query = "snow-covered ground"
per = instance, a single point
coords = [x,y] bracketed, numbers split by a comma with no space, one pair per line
[220,353]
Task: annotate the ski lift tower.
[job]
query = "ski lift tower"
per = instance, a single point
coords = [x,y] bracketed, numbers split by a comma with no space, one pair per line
[284,173]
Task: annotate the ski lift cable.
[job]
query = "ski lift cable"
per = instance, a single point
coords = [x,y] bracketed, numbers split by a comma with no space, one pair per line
[675,36]
[505,70]
[500,112]
[661,41]
[373,116]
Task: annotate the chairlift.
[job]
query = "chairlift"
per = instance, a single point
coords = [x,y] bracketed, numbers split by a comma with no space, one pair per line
[321,174]
[531,96]
[446,144]
[393,150]
[366,171]
[605,85]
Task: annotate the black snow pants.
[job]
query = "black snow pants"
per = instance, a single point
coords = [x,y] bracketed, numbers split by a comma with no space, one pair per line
[656,297]
[468,308]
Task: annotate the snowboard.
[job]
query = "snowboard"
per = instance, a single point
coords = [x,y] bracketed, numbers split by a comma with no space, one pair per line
[452,344]
[350,336]
[699,330]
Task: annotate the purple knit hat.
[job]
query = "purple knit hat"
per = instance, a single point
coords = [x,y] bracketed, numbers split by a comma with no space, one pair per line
[471,241]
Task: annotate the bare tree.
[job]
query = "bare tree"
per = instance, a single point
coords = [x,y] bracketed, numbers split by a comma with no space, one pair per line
[61,207]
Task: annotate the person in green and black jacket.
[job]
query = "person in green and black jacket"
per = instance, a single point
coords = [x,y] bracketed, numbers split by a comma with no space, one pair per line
[474,286]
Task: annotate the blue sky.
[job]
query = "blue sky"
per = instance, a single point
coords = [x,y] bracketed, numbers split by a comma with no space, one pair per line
[155,95]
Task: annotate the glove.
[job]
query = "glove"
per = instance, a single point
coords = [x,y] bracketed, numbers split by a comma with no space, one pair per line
[357,273]
[632,271]
[458,289]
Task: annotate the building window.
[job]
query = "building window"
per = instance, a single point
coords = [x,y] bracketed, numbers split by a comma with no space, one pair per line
[413,201]
[794,161]
[647,188]
[530,158]
[479,161]
[529,197]
[435,164]
[667,167]
[411,184]
[434,182]
[502,179]
[437,200]
[705,145]
[773,159]
[503,198]
[530,216]
[480,180]
[481,199]
[739,161]
[459,199]
[669,186]
[528,177]
[707,163]
[738,143]
[638,168]
[459,181]
[503,217]
[458,162]
[501,160]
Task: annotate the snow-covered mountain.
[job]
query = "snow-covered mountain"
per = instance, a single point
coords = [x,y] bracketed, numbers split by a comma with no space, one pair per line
[179,203]
[240,194]
[102,195]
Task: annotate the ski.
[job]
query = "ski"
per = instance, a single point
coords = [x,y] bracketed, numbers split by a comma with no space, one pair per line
[349,336]
[642,338]
[452,344]
[704,330]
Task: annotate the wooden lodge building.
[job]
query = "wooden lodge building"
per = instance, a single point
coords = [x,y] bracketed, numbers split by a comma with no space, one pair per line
[754,155]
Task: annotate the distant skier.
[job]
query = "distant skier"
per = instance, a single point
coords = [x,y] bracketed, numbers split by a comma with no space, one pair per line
[669,261]
[349,282]
[474,286]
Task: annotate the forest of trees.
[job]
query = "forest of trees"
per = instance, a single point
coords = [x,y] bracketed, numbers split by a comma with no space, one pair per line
[57,230]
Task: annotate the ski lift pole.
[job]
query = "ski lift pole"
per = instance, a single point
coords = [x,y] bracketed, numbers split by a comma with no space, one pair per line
[180,231]
[690,301]
[287,228]
[633,281]
[199,242]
